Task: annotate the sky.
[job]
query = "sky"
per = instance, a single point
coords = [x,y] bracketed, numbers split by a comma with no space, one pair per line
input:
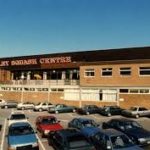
[31,27]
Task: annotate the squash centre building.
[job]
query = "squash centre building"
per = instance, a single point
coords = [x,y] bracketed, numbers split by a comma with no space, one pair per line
[102,77]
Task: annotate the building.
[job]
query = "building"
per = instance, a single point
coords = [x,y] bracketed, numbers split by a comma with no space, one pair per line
[102,77]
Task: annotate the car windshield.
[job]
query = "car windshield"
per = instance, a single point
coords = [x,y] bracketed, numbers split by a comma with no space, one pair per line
[21,130]
[133,108]
[131,124]
[38,104]
[77,141]
[121,141]
[89,123]
[17,116]
[49,121]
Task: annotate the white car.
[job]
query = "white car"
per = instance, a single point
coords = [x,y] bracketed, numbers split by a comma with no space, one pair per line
[42,106]
[26,105]
[17,117]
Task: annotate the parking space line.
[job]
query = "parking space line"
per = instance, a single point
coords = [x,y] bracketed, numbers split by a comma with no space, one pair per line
[40,142]
[3,135]
[64,120]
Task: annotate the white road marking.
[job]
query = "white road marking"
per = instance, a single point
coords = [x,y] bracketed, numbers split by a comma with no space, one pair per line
[3,135]
[64,120]
[40,142]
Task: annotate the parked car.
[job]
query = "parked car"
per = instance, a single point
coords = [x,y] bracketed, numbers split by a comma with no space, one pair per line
[111,139]
[61,108]
[80,123]
[42,106]
[137,112]
[134,130]
[111,110]
[88,109]
[17,117]
[46,124]
[21,136]
[2,101]
[69,139]
[25,105]
[9,104]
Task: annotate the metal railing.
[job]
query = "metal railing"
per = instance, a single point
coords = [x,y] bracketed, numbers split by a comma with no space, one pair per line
[42,82]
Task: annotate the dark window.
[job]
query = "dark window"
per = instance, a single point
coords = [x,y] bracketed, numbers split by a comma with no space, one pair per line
[106,71]
[125,71]
[144,70]
[124,90]
[89,73]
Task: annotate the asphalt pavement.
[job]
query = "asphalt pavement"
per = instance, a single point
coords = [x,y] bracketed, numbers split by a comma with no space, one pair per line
[64,119]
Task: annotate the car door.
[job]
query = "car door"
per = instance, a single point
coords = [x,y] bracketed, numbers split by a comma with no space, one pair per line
[143,111]
[58,142]
[99,141]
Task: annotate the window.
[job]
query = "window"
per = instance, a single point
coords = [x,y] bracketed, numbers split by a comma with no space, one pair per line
[124,90]
[134,91]
[125,71]
[106,71]
[144,90]
[89,73]
[144,71]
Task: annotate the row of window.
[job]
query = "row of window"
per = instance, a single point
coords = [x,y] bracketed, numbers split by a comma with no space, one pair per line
[140,91]
[31,89]
[124,71]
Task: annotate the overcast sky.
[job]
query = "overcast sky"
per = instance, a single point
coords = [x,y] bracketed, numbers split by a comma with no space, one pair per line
[30,27]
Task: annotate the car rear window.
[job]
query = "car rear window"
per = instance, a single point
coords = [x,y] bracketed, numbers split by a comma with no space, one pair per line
[77,141]
[121,141]
[21,130]
[17,116]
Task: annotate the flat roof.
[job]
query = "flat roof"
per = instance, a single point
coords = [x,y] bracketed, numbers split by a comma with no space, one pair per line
[75,59]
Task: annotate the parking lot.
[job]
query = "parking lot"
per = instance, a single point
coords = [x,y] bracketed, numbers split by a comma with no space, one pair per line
[64,119]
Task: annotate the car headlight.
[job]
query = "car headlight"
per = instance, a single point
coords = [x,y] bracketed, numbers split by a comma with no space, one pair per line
[11,148]
[46,131]
[141,140]
[35,144]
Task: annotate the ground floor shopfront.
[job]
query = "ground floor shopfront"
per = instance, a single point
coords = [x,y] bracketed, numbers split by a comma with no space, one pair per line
[78,96]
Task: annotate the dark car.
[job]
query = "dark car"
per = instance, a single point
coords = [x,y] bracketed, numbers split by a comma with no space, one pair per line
[69,139]
[88,109]
[9,104]
[134,130]
[61,108]
[80,123]
[111,110]
[111,139]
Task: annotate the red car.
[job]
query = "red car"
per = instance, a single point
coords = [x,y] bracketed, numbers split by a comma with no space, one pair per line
[45,124]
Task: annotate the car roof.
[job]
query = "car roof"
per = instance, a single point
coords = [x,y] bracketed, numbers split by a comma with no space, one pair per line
[84,119]
[122,120]
[45,116]
[69,132]
[111,132]
[17,112]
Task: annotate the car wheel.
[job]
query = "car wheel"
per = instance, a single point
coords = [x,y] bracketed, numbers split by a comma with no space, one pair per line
[56,112]
[87,113]
[109,114]
[137,116]
[40,109]
[6,107]
[23,108]
[42,134]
